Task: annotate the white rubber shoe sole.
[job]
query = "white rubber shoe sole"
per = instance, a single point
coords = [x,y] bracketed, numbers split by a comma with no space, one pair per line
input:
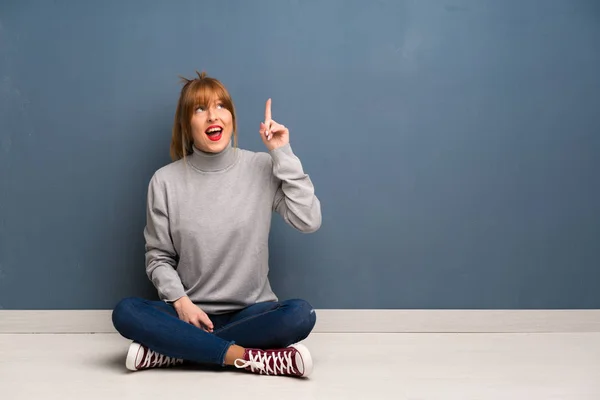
[134,354]
[303,358]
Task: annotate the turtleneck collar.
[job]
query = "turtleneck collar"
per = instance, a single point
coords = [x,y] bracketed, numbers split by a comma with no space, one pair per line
[213,162]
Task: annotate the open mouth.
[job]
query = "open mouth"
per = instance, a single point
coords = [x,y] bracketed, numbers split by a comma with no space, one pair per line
[214,132]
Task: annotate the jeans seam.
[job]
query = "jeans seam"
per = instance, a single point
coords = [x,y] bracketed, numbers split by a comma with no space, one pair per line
[251,317]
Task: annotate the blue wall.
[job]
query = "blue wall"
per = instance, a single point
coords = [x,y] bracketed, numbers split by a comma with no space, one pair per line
[455,145]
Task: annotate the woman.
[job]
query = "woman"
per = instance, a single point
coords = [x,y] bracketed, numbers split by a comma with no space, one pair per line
[208,221]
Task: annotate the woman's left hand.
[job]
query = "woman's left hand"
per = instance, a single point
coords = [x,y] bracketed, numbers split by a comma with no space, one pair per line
[273,134]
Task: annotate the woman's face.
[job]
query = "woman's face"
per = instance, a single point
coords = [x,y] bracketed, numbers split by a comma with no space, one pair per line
[212,127]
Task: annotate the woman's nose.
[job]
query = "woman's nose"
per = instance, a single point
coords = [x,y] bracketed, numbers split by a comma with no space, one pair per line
[212,116]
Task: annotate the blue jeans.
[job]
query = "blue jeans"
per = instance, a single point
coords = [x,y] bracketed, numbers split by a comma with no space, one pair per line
[267,325]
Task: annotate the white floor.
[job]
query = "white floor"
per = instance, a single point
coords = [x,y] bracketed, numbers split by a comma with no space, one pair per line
[347,366]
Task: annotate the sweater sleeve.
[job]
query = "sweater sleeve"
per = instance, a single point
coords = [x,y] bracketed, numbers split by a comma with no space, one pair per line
[161,257]
[295,198]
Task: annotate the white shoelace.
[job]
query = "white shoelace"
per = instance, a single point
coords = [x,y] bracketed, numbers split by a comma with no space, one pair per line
[259,360]
[160,360]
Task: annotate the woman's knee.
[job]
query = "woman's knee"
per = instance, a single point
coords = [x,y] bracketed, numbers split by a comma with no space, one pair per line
[302,317]
[123,314]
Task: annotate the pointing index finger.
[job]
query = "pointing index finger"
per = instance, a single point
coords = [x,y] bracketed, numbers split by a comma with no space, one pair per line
[268,112]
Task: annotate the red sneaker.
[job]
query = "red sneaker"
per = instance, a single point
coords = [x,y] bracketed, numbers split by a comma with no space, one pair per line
[294,360]
[141,357]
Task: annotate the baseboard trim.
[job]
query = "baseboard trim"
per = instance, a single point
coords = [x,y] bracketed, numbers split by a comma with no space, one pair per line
[340,321]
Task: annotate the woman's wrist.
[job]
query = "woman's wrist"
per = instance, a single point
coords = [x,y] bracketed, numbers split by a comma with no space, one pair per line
[181,301]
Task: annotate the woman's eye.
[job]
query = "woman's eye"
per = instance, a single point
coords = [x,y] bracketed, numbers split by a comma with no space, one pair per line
[199,109]
[220,105]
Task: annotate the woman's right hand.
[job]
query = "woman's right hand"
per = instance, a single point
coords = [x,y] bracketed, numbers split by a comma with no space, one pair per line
[192,314]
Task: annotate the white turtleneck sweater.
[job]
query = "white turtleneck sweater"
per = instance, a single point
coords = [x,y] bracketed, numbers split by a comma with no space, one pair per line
[208,222]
